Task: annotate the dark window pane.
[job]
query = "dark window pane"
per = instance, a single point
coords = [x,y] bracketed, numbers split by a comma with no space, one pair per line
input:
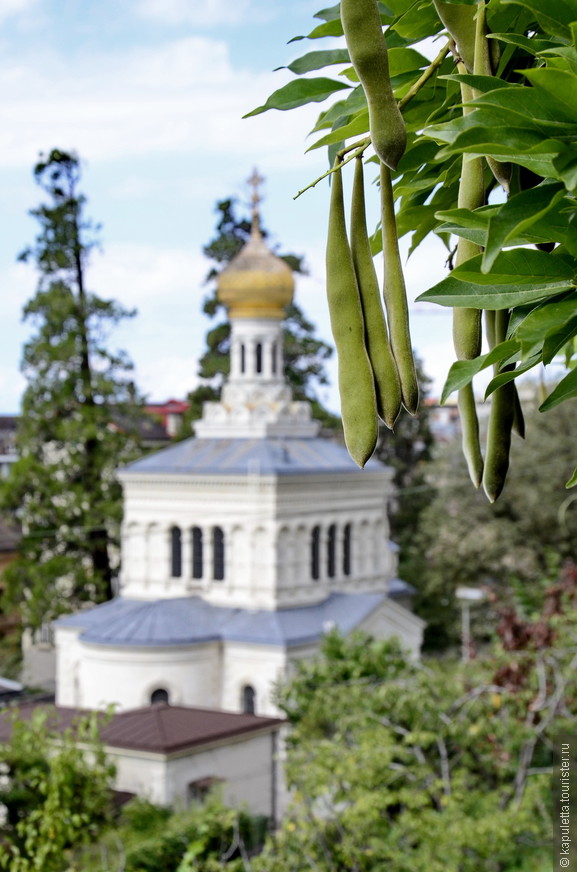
[315,552]
[249,700]
[347,550]
[197,557]
[331,550]
[218,554]
[160,695]
[175,552]
[258,357]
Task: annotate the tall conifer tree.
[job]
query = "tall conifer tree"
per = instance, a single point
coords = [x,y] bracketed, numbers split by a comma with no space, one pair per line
[75,427]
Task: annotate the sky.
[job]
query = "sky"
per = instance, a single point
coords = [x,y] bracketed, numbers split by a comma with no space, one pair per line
[150,94]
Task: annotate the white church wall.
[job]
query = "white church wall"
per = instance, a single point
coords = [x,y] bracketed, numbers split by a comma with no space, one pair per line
[141,773]
[245,771]
[69,654]
[244,765]
[392,619]
[257,666]
[94,676]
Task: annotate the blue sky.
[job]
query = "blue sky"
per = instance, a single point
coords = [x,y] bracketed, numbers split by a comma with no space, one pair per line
[151,94]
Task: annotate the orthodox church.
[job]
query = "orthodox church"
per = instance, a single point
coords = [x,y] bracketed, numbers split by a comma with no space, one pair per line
[241,546]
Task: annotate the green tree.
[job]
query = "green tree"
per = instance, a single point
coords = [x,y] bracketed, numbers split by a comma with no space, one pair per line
[304,354]
[204,837]
[75,428]
[462,540]
[490,162]
[56,797]
[409,451]
[445,766]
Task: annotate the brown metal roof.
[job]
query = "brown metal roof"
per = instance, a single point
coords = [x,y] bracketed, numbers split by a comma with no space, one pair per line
[160,729]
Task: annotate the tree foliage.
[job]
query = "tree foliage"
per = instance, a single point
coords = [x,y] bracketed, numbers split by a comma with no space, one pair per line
[304,353]
[75,428]
[409,451]
[460,539]
[55,797]
[442,766]
[520,109]
[204,837]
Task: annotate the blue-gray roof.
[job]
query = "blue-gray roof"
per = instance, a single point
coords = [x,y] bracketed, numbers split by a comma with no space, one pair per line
[270,456]
[191,620]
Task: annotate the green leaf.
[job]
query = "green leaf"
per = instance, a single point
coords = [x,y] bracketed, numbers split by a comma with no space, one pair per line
[533,46]
[516,215]
[480,83]
[566,166]
[566,389]
[504,378]
[560,88]
[356,127]
[518,277]
[332,27]
[355,100]
[535,105]
[330,13]
[316,60]
[298,93]
[405,60]
[556,340]
[573,480]
[469,225]
[555,16]
[544,320]
[463,371]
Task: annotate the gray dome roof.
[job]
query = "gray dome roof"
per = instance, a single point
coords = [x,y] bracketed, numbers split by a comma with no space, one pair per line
[267,456]
[191,620]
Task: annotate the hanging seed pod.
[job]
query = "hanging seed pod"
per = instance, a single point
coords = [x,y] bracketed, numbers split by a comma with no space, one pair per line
[356,385]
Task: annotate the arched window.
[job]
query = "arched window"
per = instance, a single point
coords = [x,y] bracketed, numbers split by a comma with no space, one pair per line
[273,358]
[197,557]
[347,550]
[217,554]
[242,357]
[248,701]
[331,550]
[258,357]
[175,552]
[158,696]
[315,552]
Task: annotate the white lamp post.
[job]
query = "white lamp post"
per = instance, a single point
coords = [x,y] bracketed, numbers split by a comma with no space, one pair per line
[466,596]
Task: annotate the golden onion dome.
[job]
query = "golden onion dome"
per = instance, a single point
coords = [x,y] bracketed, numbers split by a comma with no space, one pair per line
[256,283]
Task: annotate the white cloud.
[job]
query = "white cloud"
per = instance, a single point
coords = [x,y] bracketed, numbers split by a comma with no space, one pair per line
[172,376]
[10,8]
[199,13]
[183,96]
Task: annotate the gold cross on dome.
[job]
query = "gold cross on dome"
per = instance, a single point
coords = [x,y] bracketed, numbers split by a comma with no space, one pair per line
[255,181]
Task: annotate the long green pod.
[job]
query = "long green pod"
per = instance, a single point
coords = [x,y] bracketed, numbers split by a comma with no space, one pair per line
[395,296]
[368,52]
[387,384]
[467,330]
[501,420]
[356,384]
[459,19]
[518,416]
[485,64]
